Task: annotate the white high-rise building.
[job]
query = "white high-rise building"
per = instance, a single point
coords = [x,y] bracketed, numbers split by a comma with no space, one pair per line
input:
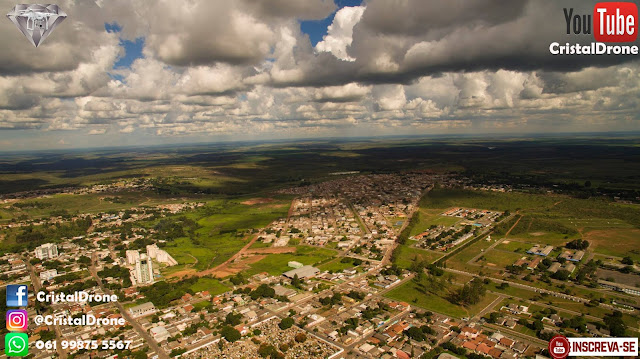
[160,255]
[144,270]
[47,251]
[132,257]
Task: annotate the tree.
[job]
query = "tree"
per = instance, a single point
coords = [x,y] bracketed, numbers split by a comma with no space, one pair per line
[427,330]
[230,333]
[286,323]
[471,293]
[233,319]
[267,350]
[237,279]
[578,244]
[263,291]
[562,274]
[537,325]
[416,333]
[300,337]
[616,325]
[493,317]
[296,282]
[627,260]
[175,352]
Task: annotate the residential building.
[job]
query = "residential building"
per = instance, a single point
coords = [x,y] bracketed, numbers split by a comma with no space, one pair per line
[142,310]
[132,256]
[46,251]
[302,272]
[144,270]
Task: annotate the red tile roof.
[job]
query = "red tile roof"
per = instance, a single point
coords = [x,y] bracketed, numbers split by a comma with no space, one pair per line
[483,348]
[506,342]
[496,353]
[469,345]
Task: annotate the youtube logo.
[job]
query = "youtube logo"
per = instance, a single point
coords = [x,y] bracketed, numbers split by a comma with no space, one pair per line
[615,22]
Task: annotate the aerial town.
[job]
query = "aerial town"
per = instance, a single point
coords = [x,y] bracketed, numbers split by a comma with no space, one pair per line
[357,303]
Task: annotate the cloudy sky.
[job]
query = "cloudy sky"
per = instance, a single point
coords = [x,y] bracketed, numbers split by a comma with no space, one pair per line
[136,72]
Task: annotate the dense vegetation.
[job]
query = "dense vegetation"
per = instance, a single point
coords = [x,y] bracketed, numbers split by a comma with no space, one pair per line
[161,294]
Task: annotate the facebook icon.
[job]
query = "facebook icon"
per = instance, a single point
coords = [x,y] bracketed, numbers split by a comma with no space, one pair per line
[17,295]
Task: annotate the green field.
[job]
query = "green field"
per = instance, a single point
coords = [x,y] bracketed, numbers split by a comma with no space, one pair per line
[428,217]
[559,303]
[611,227]
[498,259]
[498,201]
[460,259]
[405,255]
[618,242]
[89,203]
[514,246]
[335,266]
[222,232]
[276,264]
[212,285]
[410,293]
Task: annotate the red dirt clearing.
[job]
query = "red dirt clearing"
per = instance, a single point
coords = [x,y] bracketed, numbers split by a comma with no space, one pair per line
[271,250]
[254,201]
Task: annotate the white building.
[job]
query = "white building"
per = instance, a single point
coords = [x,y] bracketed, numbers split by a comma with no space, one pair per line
[294,264]
[159,334]
[132,257]
[144,270]
[142,310]
[48,274]
[46,251]
[160,255]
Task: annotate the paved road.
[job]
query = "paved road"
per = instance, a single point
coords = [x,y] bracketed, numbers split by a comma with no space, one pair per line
[494,244]
[489,307]
[526,338]
[37,285]
[127,316]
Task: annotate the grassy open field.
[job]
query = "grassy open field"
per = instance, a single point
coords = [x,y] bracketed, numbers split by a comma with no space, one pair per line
[89,203]
[277,264]
[560,303]
[409,292]
[335,265]
[499,201]
[212,285]
[459,261]
[554,219]
[616,242]
[428,217]
[498,259]
[515,246]
[222,232]
[405,255]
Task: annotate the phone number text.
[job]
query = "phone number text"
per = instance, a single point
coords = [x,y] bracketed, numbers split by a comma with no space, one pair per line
[84,344]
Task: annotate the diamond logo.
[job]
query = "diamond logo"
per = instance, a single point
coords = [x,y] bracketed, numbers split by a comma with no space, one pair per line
[36,21]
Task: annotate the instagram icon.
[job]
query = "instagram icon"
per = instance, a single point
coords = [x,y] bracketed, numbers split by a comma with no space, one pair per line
[17,320]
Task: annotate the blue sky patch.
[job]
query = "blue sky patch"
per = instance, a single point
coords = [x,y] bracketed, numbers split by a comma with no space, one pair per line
[317,29]
[113,27]
[133,49]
